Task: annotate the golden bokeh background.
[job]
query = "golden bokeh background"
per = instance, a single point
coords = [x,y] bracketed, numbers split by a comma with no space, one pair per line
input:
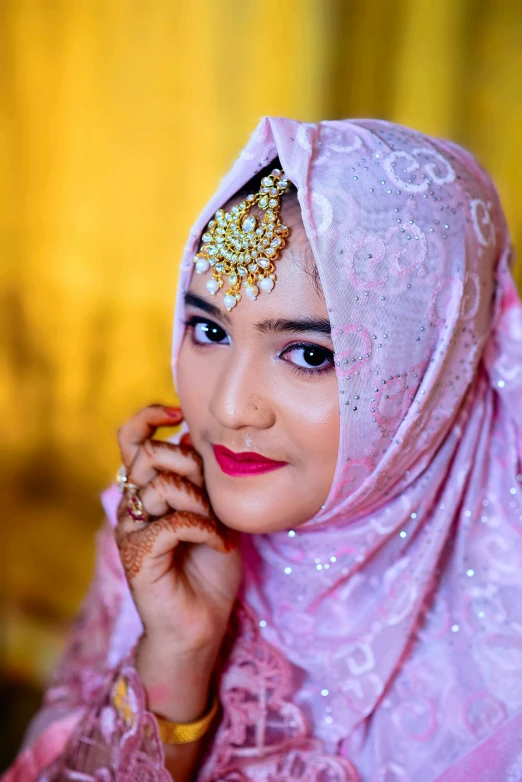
[117,120]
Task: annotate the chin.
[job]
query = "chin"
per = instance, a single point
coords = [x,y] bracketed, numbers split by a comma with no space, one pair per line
[270,502]
[246,512]
[257,508]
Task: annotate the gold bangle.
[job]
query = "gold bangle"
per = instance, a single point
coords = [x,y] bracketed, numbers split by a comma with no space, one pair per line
[185,732]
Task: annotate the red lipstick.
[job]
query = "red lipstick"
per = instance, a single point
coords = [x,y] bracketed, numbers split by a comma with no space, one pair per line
[246,463]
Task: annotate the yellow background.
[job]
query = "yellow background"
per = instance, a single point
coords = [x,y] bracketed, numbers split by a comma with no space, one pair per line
[117,120]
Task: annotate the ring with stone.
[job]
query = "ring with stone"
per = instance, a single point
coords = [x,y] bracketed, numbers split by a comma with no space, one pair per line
[135,508]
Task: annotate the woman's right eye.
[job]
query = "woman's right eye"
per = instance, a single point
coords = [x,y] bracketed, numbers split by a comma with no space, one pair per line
[206,332]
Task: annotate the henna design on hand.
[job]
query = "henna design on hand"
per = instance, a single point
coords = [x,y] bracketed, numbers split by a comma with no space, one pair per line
[173,479]
[183,485]
[188,450]
[135,546]
[151,445]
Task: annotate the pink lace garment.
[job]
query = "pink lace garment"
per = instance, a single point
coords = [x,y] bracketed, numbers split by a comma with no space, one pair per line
[381,641]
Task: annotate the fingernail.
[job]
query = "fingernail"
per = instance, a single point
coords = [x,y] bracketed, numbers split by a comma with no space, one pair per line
[174,412]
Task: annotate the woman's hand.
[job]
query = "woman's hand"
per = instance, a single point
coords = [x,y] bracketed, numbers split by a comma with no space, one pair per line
[184,570]
[183,567]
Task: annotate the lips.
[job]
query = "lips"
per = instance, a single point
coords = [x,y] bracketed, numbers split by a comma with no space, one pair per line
[245,463]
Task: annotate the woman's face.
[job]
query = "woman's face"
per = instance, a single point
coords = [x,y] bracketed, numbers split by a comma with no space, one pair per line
[261,380]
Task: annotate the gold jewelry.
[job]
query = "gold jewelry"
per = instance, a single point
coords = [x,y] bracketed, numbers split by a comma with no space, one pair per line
[244,247]
[135,508]
[170,732]
[185,732]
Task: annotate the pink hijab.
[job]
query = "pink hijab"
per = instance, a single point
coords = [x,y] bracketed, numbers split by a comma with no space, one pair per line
[382,640]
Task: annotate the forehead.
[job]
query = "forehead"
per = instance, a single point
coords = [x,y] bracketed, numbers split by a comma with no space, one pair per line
[297,291]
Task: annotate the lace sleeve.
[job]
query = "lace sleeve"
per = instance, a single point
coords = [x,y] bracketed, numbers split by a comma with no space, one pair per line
[93,724]
[117,739]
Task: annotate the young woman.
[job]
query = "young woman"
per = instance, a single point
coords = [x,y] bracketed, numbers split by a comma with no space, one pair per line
[320,577]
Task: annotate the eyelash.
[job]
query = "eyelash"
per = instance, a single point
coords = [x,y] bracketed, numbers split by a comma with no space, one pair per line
[194,320]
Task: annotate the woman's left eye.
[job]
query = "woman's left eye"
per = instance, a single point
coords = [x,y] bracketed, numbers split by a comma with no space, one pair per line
[309,358]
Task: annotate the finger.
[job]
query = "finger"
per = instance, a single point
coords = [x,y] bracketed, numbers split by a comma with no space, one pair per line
[162,536]
[142,426]
[164,493]
[169,491]
[126,523]
[156,456]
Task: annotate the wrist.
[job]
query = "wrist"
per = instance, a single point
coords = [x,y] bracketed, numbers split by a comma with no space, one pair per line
[176,679]
[168,642]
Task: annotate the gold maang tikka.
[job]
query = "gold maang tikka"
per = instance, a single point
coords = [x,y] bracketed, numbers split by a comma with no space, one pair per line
[243,247]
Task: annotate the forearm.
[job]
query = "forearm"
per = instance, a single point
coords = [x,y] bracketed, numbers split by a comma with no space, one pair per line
[178,689]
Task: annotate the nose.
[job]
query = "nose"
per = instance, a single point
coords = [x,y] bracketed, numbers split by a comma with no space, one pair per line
[240,399]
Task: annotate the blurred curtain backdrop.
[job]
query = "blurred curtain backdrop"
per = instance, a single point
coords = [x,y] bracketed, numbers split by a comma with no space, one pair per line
[117,121]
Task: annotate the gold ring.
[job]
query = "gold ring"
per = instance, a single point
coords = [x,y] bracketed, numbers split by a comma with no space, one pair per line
[135,507]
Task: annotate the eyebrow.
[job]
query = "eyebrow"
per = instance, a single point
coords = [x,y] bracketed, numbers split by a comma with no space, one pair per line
[269,326]
[191,300]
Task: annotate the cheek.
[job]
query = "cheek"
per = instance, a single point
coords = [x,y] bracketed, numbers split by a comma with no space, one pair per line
[314,423]
[194,395]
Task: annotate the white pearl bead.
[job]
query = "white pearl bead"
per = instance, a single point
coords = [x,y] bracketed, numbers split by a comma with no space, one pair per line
[252,291]
[202,265]
[267,284]
[229,301]
[212,287]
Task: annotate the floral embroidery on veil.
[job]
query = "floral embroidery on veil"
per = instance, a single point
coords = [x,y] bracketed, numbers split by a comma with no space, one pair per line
[260,723]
